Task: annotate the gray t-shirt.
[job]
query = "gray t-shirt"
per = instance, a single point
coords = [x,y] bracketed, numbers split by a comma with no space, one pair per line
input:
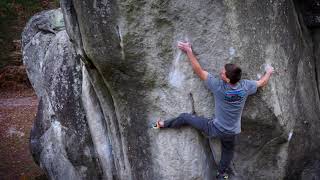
[229,102]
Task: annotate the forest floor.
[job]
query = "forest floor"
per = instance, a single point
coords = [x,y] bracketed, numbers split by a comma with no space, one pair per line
[18,107]
[18,102]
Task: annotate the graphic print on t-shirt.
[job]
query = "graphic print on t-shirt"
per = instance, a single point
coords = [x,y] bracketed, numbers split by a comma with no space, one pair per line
[234,96]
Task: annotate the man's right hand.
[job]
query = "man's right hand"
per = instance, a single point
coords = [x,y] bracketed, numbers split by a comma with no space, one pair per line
[185,47]
[265,78]
[269,69]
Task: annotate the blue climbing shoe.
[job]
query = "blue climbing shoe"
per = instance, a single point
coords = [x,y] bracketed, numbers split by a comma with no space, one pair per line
[222,176]
[156,125]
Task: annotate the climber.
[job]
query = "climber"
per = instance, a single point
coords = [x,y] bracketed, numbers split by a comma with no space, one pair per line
[230,94]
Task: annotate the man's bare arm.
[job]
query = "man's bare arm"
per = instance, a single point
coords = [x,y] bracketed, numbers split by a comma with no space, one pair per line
[265,78]
[186,47]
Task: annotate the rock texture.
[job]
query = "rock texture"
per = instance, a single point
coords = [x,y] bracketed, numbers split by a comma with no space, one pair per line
[60,138]
[116,68]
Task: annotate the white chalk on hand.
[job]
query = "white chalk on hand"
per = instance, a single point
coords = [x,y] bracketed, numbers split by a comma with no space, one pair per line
[267,66]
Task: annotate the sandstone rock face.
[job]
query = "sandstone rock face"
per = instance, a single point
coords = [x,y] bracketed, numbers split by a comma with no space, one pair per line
[116,68]
[60,138]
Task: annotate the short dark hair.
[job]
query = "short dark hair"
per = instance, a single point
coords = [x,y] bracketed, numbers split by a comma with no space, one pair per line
[233,72]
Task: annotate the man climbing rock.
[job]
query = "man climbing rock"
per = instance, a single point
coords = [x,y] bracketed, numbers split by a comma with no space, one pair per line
[230,94]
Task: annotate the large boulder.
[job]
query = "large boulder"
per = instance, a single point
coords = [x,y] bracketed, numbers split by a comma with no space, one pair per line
[117,69]
[60,139]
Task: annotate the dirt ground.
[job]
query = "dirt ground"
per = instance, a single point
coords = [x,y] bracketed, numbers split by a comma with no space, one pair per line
[18,103]
[18,107]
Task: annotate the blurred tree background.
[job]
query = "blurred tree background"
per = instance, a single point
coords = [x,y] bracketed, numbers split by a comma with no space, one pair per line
[18,102]
[14,14]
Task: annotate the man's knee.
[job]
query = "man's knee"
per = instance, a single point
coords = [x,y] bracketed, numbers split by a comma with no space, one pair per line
[228,144]
[185,115]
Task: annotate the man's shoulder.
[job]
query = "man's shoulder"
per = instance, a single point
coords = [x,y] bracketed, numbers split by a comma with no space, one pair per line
[247,81]
[211,75]
[213,82]
[249,85]
[213,78]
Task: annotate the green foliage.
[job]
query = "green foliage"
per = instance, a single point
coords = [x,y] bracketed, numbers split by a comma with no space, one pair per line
[8,7]
[13,16]
[5,9]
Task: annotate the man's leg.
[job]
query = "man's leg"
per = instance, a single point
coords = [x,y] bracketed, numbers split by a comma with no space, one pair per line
[200,123]
[227,152]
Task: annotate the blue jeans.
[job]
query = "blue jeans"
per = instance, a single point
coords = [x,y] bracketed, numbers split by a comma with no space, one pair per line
[207,127]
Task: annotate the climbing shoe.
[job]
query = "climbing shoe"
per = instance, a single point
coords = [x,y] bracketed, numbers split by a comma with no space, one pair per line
[156,125]
[221,176]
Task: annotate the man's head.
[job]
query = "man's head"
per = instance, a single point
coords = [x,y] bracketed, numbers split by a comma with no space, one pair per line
[231,73]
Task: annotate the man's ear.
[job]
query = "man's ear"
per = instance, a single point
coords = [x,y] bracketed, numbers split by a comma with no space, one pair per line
[225,79]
